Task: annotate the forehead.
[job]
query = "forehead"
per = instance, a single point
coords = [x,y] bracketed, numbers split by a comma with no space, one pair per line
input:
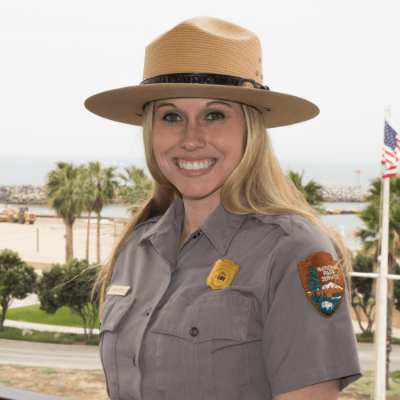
[195,103]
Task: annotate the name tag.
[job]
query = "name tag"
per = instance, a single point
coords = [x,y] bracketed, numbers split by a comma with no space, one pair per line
[119,290]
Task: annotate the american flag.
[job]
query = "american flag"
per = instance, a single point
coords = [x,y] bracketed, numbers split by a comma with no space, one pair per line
[391,151]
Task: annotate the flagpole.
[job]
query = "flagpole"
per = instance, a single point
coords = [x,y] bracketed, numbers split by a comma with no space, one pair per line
[381,301]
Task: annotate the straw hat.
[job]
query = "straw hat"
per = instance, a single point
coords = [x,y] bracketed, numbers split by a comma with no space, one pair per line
[205,58]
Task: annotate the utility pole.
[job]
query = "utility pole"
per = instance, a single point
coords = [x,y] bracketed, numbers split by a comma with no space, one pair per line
[381,303]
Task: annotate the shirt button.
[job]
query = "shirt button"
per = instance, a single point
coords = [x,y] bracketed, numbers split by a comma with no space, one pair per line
[196,235]
[194,332]
[148,311]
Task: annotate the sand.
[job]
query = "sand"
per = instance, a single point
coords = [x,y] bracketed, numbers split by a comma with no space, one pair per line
[43,243]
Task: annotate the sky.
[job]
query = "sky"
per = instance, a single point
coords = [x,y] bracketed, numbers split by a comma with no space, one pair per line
[341,55]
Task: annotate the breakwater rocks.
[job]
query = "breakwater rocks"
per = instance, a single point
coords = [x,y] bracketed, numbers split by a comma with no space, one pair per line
[26,194]
[344,193]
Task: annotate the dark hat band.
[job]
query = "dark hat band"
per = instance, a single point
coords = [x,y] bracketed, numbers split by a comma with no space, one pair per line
[203,79]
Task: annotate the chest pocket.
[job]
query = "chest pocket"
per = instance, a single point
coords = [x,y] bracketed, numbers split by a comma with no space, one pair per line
[201,347]
[115,309]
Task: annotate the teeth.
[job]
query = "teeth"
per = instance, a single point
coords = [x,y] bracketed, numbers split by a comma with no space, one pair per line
[196,165]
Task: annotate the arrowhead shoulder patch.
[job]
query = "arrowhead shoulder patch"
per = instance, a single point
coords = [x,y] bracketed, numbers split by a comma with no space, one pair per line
[323,283]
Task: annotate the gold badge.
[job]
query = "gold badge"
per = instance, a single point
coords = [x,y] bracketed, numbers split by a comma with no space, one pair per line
[222,274]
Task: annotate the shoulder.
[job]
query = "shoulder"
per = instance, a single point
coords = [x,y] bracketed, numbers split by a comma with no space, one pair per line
[297,229]
[301,240]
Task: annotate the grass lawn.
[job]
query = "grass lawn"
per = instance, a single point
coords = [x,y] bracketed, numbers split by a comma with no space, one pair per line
[369,337]
[34,314]
[46,337]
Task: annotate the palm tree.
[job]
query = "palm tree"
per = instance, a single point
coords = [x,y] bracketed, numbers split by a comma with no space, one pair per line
[137,187]
[104,192]
[64,191]
[310,191]
[89,199]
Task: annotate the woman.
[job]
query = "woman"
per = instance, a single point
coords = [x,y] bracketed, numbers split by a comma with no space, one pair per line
[225,285]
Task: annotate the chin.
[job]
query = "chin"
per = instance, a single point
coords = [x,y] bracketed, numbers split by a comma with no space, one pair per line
[196,192]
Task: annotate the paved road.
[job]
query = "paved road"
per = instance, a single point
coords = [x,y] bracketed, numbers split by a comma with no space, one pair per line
[366,353]
[87,357]
[49,355]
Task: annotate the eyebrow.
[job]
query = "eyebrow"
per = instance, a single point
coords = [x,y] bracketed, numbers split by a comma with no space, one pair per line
[218,102]
[166,105]
[210,103]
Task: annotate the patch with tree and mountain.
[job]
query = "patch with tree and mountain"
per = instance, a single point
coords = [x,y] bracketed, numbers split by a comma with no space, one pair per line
[323,282]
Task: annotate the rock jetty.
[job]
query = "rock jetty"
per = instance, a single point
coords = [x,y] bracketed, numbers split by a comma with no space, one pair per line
[344,193]
[26,194]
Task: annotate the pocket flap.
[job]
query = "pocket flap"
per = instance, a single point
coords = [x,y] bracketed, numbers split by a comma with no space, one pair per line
[114,310]
[213,316]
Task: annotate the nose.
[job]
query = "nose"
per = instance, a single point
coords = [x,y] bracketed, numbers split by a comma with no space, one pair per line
[192,137]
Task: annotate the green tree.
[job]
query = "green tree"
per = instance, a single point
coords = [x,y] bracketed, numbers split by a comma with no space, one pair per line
[137,188]
[361,295]
[310,190]
[105,185]
[370,237]
[396,291]
[64,190]
[70,285]
[17,280]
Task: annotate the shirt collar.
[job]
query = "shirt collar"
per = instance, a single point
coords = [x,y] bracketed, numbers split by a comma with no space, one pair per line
[220,227]
[173,216]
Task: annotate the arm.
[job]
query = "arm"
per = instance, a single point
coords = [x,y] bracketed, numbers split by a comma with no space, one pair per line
[328,390]
[308,336]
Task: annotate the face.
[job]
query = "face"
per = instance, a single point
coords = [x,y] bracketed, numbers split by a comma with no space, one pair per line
[198,143]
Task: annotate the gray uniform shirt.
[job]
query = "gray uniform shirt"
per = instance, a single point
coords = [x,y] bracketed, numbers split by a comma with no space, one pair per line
[267,332]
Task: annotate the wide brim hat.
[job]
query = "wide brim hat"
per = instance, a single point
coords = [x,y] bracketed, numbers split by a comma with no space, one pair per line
[203,58]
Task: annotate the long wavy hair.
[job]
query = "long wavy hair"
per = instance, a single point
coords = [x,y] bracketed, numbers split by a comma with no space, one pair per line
[257,185]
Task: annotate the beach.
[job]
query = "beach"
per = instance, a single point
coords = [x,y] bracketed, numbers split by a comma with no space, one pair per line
[43,243]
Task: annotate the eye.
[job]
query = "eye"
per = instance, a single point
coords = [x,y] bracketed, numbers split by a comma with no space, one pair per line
[215,115]
[171,118]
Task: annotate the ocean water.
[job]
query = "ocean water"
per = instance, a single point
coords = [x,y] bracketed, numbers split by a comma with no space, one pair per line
[33,170]
[109,211]
[346,223]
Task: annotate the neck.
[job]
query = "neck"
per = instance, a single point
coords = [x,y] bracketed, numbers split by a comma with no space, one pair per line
[196,212]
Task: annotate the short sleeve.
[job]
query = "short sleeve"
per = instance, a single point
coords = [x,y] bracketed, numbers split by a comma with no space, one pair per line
[308,336]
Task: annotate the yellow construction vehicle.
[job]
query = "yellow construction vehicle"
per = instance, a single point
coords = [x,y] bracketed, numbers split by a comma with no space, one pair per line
[25,216]
[11,215]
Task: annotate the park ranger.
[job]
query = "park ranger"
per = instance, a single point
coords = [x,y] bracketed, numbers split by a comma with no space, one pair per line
[225,284]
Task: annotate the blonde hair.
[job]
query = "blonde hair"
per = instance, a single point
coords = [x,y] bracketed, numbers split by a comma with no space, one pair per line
[257,185]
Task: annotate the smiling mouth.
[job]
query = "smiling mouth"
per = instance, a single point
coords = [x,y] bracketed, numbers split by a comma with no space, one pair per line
[196,165]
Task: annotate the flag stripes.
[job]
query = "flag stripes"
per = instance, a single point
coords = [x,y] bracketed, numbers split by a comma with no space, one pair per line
[391,151]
